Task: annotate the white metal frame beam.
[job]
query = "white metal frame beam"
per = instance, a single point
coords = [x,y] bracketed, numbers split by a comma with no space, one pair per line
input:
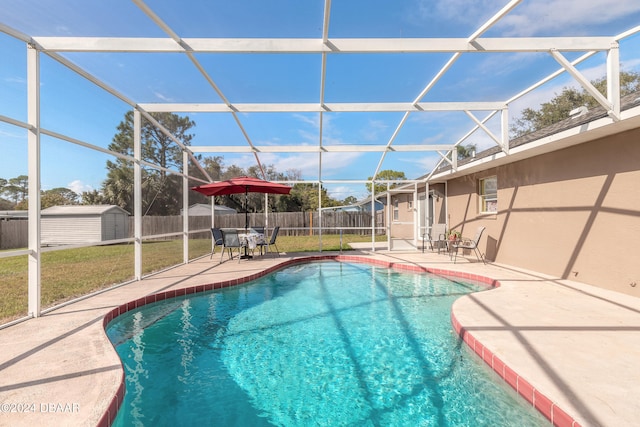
[318,149]
[322,107]
[317,45]
[137,194]
[33,149]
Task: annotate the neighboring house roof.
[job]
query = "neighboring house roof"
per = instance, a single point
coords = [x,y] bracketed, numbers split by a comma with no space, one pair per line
[203,206]
[81,210]
[360,206]
[344,208]
[14,214]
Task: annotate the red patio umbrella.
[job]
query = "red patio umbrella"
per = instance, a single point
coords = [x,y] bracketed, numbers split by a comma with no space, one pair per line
[242,184]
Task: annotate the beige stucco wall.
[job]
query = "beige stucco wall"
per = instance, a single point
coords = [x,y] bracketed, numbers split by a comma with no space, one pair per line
[574,213]
[439,211]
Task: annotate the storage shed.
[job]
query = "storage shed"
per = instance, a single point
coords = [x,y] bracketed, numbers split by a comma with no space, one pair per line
[79,224]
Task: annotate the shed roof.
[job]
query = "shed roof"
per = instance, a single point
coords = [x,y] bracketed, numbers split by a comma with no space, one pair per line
[81,210]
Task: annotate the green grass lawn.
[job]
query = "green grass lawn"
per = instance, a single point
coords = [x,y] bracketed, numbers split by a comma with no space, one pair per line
[70,273]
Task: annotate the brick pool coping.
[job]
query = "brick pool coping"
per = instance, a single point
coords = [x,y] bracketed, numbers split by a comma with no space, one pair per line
[539,401]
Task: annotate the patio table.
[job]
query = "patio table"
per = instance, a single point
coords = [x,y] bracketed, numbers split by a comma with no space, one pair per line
[250,240]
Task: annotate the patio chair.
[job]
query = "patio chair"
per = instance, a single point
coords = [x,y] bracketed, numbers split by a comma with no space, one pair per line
[217,240]
[258,230]
[231,242]
[271,242]
[469,244]
[437,236]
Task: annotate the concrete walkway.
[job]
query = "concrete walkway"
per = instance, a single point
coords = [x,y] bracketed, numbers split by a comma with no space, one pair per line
[575,346]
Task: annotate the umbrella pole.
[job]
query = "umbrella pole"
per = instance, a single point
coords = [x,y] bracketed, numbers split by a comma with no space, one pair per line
[246,222]
[246,210]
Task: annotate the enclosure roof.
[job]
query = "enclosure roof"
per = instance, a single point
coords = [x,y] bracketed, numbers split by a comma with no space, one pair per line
[339,90]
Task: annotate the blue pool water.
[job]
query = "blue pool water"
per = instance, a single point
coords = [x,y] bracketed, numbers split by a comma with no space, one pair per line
[319,344]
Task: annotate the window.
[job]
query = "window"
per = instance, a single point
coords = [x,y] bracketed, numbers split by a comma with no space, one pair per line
[396,214]
[410,204]
[489,195]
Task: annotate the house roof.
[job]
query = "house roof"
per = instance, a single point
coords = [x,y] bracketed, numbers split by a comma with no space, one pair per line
[71,210]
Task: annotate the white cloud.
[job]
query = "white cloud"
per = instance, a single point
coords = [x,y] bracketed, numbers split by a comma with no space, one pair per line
[342,192]
[11,134]
[308,164]
[425,163]
[79,187]
[462,11]
[373,130]
[20,80]
[162,97]
[630,64]
[311,120]
[537,17]
[63,29]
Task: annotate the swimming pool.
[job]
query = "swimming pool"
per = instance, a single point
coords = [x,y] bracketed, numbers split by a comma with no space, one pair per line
[323,343]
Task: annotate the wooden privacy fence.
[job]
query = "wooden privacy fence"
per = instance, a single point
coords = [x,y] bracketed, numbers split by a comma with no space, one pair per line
[299,223]
[14,234]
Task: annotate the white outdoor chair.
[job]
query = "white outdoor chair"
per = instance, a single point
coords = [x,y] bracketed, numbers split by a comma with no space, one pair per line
[468,244]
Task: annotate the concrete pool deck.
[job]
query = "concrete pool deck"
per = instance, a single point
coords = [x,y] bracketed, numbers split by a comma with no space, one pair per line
[564,344]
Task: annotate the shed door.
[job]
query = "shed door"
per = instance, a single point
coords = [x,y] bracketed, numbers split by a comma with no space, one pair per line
[110,231]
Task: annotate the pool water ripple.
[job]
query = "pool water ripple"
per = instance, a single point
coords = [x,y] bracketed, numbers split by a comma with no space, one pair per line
[322,344]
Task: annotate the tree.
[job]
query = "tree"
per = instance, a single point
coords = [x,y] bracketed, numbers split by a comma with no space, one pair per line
[161,190]
[17,188]
[558,108]
[93,197]
[386,175]
[304,197]
[349,200]
[465,151]
[58,197]
[4,204]
[213,165]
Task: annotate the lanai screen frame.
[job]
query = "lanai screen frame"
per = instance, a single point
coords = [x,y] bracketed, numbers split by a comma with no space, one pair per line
[54,47]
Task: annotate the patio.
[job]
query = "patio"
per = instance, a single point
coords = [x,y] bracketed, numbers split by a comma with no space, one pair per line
[561,343]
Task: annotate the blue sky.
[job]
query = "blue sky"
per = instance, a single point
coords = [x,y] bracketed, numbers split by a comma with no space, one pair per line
[73,106]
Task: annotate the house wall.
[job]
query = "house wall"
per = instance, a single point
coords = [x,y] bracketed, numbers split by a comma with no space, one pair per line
[439,210]
[574,213]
